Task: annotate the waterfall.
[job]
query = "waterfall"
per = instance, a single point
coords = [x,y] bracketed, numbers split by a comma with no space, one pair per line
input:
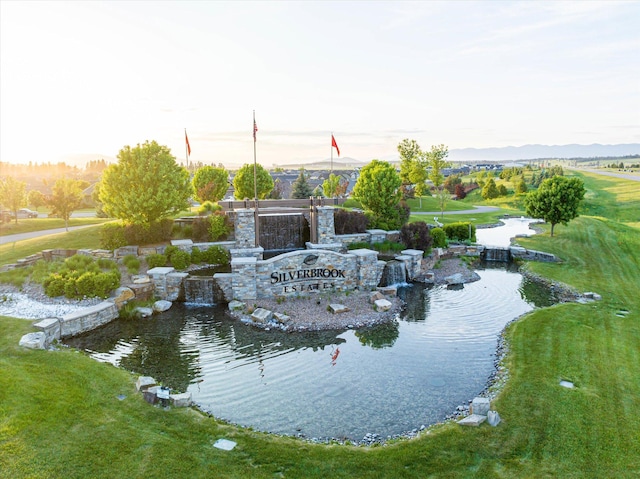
[283,232]
[395,272]
[199,289]
[497,254]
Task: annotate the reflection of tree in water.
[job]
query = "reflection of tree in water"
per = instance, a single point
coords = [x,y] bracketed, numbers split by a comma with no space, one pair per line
[537,293]
[379,336]
[167,346]
[416,302]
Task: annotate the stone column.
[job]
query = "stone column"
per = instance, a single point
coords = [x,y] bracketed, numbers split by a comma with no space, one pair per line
[244,278]
[245,228]
[326,225]
[369,270]
[413,261]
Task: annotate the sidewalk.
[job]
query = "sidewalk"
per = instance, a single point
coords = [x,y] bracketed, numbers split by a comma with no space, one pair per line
[34,234]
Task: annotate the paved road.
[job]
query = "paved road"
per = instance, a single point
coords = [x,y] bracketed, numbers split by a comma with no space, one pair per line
[34,234]
[624,176]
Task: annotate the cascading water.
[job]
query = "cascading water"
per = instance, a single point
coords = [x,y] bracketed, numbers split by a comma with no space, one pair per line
[199,289]
[395,272]
[283,232]
[496,254]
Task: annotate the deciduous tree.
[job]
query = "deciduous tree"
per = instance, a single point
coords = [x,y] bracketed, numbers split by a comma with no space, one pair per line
[556,200]
[378,191]
[334,186]
[65,199]
[437,161]
[210,183]
[243,182]
[145,186]
[12,194]
[36,199]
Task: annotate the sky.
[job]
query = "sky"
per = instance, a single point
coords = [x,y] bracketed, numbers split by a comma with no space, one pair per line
[88,77]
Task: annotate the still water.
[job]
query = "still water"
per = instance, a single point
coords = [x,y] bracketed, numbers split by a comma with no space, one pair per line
[344,384]
[501,236]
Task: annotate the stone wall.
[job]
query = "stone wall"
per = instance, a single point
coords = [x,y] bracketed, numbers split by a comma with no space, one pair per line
[300,272]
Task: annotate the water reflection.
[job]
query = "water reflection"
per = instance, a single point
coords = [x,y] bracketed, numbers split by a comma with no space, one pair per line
[386,380]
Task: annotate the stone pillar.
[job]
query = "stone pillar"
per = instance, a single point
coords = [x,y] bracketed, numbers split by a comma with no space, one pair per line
[413,262]
[244,278]
[326,225]
[158,277]
[245,228]
[369,270]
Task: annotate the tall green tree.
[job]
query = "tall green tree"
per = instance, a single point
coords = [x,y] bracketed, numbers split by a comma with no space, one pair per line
[243,182]
[556,200]
[12,194]
[301,189]
[210,183]
[145,186]
[65,198]
[490,190]
[36,199]
[410,155]
[378,191]
[437,160]
[334,186]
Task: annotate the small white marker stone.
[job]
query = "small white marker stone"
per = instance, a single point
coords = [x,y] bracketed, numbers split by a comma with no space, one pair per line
[224,444]
[566,384]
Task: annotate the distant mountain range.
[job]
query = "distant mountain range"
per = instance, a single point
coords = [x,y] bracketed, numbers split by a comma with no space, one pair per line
[503,154]
[535,152]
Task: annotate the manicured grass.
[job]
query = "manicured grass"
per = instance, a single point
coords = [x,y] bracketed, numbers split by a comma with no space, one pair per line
[88,237]
[60,416]
[430,203]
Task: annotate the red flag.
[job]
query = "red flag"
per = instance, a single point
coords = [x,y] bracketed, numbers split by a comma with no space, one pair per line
[255,130]
[186,138]
[335,145]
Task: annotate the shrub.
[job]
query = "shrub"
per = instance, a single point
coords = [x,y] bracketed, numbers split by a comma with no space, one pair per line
[85,284]
[416,236]
[196,256]
[502,190]
[350,222]
[439,238]
[180,259]
[132,263]
[460,231]
[54,285]
[156,232]
[156,260]
[219,226]
[169,251]
[208,207]
[216,255]
[200,229]
[105,282]
[112,236]
[460,192]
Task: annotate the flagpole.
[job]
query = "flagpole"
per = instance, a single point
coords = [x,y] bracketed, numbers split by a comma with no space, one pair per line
[331,171]
[186,148]
[255,183]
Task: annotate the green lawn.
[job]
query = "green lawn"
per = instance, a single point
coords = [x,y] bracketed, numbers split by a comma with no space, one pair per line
[60,416]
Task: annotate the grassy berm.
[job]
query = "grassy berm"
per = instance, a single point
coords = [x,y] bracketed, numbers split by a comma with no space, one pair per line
[60,416]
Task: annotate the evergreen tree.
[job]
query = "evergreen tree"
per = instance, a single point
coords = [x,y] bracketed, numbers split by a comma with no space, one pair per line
[301,188]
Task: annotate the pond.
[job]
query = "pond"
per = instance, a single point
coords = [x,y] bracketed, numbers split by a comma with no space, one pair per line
[386,380]
[501,235]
